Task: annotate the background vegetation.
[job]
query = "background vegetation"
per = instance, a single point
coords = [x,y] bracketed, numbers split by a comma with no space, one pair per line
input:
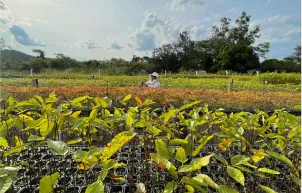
[230,47]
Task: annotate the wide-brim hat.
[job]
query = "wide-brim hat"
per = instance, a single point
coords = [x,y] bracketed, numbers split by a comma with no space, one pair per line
[154,74]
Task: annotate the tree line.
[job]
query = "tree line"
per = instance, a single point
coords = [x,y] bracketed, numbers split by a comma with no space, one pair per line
[231,46]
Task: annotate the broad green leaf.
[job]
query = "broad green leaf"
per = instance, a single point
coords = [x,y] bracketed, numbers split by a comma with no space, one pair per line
[181,155]
[203,142]
[200,162]
[35,138]
[92,115]
[148,102]
[100,102]
[7,176]
[204,179]
[127,98]
[47,183]
[129,120]
[117,142]
[170,187]
[269,171]
[159,161]
[227,189]
[294,132]
[280,157]
[31,102]
[3,142]
[6,125]
[79,99]
[40,99]
[195,184]
[46,127]
[188,147]
[239,159]
[16,149]
[168,115]
[161,149]
[57,147]
[178,141]
[296,179]
[74,141]
[195,164]
[236,174]
[102,175]
[188,105]
[266,189]
[258,155]
[185,168]
[244,169]
[221,159]
[109,164]
[96,187]
[154,131]
[190,189]
[298,107]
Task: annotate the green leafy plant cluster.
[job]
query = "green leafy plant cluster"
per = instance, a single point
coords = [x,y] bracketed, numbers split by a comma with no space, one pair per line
[184,141]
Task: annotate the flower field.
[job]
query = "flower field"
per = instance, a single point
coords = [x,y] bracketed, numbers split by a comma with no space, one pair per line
[48,146]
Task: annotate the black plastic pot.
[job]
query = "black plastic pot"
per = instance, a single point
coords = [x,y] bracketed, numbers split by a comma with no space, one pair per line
[59,189]
[28,190]
[121,170]
[64,181]
[70,171]
[25,157]
[46,157]
[73,189]
[30,172]
[79,181]
[34,182]
[117,189]
[20,182]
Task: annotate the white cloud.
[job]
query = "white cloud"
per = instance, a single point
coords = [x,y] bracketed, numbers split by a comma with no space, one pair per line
[5,20]
[278,28]
[182,5]
[154,32]
[4,8]
[26,21]
[89,44]
[233,9]
[291,32]
[116,46]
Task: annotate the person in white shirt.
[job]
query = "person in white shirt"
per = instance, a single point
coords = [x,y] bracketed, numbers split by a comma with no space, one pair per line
[153,81]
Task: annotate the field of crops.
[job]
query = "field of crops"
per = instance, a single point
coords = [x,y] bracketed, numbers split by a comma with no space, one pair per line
[274,81]
[48,145]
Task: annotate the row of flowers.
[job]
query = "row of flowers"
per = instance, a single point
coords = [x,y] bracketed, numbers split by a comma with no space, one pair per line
[170,96]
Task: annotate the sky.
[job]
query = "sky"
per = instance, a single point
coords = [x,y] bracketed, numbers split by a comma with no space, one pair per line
[99,29]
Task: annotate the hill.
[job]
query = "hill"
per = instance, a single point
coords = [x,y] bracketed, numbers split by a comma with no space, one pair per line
[14,55]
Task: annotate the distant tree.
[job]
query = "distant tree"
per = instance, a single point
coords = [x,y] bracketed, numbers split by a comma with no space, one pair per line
[165,58]
[241,33]
[58,55]
[185,50]
[262,50]
[297,54]
[41,53]
[271,65]
[239,58]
